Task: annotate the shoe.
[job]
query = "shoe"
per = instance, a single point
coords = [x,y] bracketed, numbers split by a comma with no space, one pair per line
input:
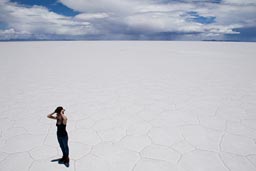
[61,161]
[66,161]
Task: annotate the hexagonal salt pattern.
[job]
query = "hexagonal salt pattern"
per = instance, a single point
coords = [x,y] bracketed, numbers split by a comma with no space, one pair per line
[116,156]
[43,152]
[155,165]
[236,162]
[93,163]
[161,153]
[22,143]
[46,164]
[199,160]
[20,161]
[238,145]
[131,106]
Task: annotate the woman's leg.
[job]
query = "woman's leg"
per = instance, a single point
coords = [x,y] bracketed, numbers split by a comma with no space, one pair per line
[66,151]
[61,143]
[65,143]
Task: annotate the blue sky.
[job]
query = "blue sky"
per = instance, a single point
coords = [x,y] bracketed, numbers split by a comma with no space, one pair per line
[223,20]
[51,5]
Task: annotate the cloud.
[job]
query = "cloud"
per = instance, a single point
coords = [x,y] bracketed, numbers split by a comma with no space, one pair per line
[37,20]
[8,34]
[110,6]
[240,2]
[172,16]
[131,19]
[93,16]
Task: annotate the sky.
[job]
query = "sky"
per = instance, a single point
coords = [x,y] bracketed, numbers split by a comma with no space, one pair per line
[213,20]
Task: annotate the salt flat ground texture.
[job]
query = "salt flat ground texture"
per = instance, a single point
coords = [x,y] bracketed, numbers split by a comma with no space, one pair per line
[131,106]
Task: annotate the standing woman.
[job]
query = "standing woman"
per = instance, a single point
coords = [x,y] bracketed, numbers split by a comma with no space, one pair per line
[62,134]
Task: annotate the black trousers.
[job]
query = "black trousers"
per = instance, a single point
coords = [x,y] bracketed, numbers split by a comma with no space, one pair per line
[63,142]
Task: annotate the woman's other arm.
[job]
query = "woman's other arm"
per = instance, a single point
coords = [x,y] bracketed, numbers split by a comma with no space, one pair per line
[64,119]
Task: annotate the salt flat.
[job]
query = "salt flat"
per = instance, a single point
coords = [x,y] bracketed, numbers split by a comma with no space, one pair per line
[131,106]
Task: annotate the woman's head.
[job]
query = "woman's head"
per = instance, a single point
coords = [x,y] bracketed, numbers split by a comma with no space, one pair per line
[58,110]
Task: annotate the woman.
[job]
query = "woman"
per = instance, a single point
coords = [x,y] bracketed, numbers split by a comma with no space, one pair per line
[62,134]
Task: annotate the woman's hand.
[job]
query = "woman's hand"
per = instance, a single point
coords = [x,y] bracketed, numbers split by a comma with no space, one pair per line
[51,116]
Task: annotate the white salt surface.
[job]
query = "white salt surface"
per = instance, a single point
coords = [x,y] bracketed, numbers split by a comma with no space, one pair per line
[131,106]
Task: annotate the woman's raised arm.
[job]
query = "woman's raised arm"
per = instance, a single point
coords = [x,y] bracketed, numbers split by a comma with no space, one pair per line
[51,116]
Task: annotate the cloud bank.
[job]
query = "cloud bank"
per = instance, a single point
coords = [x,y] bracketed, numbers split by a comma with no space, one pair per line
[129,19]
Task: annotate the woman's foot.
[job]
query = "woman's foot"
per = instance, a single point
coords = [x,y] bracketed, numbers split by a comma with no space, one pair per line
[61,161]
[66,161]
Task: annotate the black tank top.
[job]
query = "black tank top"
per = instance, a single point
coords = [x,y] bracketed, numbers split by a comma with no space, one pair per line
[61,130]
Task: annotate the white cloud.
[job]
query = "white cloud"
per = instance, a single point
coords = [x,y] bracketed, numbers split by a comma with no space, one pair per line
[95,6]
[158,16]
[124,17]
[39,20]
[91,16]
[12,34]
[240,2]
[243,15]
[160,22]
